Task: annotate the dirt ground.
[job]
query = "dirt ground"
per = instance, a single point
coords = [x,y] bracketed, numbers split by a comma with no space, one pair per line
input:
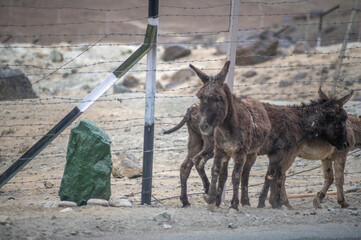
[28,203]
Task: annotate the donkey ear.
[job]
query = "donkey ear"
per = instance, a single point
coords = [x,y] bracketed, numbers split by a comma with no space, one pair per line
[221,76]
[344,100]
[204,77]
[322,95]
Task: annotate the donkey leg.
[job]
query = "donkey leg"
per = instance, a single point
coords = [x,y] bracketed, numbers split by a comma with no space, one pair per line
[222,180]
[236,179]
[265,188]
[210,198]
[251,159]
[339,165]
[200,160]
[194,147]
[184,174]
[327,181]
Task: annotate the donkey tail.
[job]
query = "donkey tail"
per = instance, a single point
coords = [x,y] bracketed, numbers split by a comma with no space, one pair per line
[184,120]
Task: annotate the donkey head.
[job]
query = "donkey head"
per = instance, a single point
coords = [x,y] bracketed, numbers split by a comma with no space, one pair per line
[334,119]
[213,98]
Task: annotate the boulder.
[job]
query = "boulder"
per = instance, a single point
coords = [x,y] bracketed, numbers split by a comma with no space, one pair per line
[88,165]
[126,165]
[56,56]
[301,47]
[130,81]
[14,85]
[256,47]
[180,77]
[175,52]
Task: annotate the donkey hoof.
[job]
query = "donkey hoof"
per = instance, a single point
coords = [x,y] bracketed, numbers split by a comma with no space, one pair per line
[316,202]
[206,197]
[345,205]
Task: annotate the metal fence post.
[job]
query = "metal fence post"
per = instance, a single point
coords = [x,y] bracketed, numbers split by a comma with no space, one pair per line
[232,40]
[342,52]
[149,110]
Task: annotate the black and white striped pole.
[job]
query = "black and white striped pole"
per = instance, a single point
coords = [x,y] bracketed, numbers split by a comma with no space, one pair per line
[149,40]
[149,110]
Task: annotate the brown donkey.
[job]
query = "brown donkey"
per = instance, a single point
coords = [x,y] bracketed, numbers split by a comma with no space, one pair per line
[319,149]
[240,125]
[292,126]
[199,147]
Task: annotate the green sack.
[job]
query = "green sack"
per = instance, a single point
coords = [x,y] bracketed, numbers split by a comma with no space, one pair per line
[88,165]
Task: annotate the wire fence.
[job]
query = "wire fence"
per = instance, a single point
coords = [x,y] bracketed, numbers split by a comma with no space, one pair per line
[100,38]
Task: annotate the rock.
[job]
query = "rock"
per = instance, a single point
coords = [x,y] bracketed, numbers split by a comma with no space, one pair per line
[301,48]
[120,203]
[126,165]
[166,226]
[232,225]
[254,47]
[100,202]
[4,220]
[48,184]
[180,77]
[51,205]
[67,204]
[250,73]
[130,81]
[262,79]
[175,52]
[162,217]
[88,165]
[299,76]
[66,210]
[284,83]
[14,85]
[56,56]
[117,88]
[313,212]
[353,213]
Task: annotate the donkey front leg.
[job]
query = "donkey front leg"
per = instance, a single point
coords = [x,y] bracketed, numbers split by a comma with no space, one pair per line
[339,165]
[222,180]
[199,161]
[210,198]
[327,181]
[239,161]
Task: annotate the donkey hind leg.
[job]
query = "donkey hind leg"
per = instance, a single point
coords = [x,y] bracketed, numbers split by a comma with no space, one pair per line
[276,185]
[200,160]
[266,185]
[194,147]
[285,165]
[339,165]
[327,181]
[251,159]
[236,179]
[222,180]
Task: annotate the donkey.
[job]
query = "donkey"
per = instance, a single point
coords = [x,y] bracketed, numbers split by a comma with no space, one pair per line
[319,149]
[293,126]
[199,147]
[240,125]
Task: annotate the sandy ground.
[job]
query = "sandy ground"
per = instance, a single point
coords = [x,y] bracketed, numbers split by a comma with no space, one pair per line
[29,199]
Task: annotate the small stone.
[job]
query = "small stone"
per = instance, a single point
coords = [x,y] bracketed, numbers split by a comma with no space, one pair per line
[100,202]
[354,213]
[4,219]
[120,203]
[313,212]
[162,217]
[48,184]
[166,226]
[250,73]
[50,205]
[297,213]
[53,217]
[232,225]
[67,204]
[56,56]
[66,210]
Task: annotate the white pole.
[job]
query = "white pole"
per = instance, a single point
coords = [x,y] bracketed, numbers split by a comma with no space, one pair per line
[232,40]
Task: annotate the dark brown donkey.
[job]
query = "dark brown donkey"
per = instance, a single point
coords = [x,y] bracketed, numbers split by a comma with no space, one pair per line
[292,126]
[319,149]
[199,147]
[240,125]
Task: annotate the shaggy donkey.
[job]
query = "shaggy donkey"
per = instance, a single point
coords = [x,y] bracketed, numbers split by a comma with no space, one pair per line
[292,127]
[319,149]
[199,147]
[240,125]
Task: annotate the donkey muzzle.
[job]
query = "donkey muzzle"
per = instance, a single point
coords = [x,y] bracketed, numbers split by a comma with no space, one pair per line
[204,127]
